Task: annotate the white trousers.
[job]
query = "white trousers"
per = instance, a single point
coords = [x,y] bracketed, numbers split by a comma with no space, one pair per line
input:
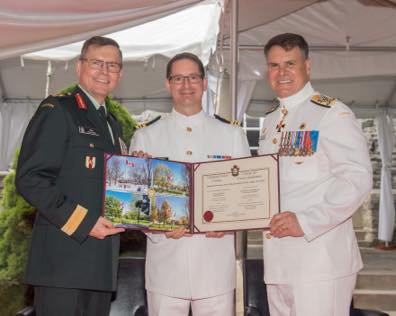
[324,298]
[162,305]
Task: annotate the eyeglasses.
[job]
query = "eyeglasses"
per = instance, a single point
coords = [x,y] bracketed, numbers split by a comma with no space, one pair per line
[192,78]
[98,64]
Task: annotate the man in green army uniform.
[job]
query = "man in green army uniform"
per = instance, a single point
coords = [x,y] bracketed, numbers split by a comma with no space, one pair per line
[73,262]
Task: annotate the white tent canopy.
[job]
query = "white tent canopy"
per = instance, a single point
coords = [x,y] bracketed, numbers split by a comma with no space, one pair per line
[25,80]
[31,26]
[353,51]
[194,29]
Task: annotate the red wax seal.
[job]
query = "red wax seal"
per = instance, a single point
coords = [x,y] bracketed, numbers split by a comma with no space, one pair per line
[208,216]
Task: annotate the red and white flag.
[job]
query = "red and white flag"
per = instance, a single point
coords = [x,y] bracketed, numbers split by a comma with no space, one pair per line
[129,163]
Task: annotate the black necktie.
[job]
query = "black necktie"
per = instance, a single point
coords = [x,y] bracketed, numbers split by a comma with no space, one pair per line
[103,119]
[102,114]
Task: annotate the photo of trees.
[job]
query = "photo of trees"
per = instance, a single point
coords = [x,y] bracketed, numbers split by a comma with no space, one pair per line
[147,194]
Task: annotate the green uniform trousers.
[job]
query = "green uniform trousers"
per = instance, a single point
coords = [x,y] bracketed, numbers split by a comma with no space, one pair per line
[52,301]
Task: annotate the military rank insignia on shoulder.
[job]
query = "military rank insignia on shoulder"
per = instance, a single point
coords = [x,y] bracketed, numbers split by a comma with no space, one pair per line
[232,122]
[61,95]
[145,124]
[323,100]
[236,123]
[47,105]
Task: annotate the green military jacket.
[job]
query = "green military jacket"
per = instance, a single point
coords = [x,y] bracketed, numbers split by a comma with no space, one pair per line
[60,172]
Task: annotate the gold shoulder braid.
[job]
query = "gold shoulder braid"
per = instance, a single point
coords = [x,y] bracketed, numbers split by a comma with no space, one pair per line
[323,100]
[140,125]
[236,123]
[232,122]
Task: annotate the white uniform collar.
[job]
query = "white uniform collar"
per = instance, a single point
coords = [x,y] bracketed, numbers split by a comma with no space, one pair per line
[298,97]
[191,120]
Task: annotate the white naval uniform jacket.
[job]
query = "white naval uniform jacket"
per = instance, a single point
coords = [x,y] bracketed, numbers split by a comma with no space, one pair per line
[190,267]
[324,190]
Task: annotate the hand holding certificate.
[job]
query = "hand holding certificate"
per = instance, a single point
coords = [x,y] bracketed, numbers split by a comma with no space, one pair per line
[227,195]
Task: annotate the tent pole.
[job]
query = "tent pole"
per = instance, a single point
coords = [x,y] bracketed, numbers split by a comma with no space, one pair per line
[234,56]
[3,94]
[48,77]
[240,236]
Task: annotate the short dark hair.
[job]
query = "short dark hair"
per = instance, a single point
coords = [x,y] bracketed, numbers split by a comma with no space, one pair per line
[288,41]
[185,55]
[99,41]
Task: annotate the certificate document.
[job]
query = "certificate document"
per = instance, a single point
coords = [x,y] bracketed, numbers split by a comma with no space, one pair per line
[237,194]
[157,194]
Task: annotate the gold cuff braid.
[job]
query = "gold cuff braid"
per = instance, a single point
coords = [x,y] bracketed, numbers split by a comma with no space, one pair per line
[74,220]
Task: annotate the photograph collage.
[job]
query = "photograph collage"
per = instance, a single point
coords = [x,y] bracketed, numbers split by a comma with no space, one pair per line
[146,194]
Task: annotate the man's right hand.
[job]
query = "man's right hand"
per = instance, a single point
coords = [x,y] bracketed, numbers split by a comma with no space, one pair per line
[103,228]
[140,154]
[285,224]
[178,233]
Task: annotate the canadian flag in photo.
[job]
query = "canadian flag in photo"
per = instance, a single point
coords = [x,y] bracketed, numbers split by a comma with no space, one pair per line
[129,163]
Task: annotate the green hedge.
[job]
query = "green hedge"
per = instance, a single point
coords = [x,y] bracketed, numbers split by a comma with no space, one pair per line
[16,222]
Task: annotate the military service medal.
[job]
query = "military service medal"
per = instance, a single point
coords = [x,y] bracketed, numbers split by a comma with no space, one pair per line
[123,146]
[281,125]
[298,143]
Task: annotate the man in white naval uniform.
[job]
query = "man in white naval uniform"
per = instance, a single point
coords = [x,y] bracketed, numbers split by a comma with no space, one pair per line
[199,269]
[311,256]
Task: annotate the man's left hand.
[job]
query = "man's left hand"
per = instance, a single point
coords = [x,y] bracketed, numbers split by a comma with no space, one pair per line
[103,228]
[285,224]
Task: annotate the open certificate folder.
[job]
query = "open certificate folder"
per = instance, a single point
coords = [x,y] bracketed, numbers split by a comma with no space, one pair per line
[163,195]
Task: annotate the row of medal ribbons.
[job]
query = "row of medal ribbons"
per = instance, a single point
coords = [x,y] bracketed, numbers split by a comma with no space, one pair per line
[298,143]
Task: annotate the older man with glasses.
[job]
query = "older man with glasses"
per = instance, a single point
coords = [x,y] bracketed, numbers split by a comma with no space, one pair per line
[184,270]
[73,256]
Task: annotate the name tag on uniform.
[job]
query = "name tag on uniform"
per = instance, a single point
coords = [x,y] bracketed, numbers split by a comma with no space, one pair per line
[88,131]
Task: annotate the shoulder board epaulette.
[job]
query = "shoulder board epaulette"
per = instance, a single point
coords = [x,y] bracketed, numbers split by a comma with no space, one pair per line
[275,105]
[232,122]
[46,105]
[323,100]
[61,95]
[144,124]
[235,122]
